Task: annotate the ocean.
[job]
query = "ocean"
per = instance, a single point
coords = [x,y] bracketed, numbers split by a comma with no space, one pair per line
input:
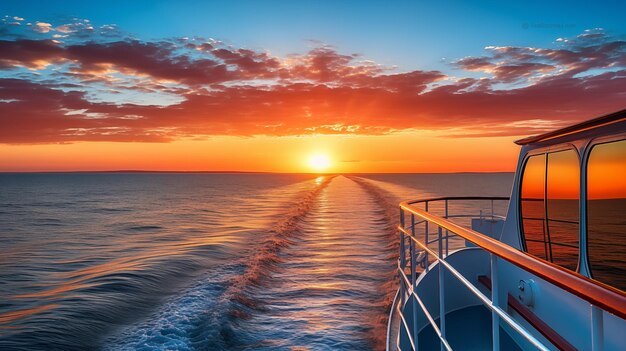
[170,261]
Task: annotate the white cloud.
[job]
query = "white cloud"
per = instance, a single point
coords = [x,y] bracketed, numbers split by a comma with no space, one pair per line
[66,28]
[42,27]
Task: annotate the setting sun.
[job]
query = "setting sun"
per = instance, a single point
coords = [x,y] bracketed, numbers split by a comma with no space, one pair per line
[319,162]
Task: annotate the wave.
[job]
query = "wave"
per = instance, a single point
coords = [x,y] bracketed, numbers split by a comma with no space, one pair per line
[389,211]
[84,312]
[177,324]
[205,316]
[260,266]
[141,228]
[275,277]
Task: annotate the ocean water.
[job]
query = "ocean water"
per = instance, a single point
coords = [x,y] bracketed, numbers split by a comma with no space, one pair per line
[114,261]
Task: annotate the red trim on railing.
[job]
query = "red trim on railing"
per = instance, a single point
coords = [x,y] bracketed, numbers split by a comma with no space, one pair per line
[601,295]
[555,338]
[545,330]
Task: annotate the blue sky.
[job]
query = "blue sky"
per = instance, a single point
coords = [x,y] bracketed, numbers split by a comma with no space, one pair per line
[409,34]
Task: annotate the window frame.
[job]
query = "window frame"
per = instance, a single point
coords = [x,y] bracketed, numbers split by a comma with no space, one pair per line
[521,186]
[584,220]
[580,154]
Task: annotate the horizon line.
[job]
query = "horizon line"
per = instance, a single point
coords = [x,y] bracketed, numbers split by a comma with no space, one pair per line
[240,172]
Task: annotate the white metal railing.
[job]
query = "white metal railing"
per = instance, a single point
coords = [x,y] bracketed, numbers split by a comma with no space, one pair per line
[408,285]
[599,296]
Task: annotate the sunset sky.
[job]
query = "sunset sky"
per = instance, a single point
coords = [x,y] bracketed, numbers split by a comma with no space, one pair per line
[411,86]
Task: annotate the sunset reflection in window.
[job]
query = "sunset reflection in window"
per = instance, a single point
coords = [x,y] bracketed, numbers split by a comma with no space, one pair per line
[606,226]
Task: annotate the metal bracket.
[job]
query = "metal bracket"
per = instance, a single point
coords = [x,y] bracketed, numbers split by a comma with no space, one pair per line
[526,292]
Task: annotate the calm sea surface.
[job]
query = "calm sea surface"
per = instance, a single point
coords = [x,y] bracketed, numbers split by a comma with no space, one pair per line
[205,261]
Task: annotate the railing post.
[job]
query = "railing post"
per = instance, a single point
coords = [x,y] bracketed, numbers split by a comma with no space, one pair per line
[426,236]
[413,253]
[447,233]
[495,301]
[414,280]
[442,305]
[402,248]
[402,295]
[597,329]
[402,260]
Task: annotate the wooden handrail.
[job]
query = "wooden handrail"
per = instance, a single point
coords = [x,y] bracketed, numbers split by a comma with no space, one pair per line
[601,295]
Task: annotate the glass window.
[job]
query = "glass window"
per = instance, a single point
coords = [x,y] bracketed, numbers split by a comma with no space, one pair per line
[533,208]
[553,192]
[606,213]
[562,207]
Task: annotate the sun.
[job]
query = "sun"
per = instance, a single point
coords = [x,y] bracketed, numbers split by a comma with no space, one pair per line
[319,162]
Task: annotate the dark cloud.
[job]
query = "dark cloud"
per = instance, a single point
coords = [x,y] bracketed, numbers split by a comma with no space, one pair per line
[29,53]
[156,60]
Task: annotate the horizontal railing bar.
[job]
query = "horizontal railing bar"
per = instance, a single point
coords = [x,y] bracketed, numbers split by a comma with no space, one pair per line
[601,295]
[423,307]
[414,224]
[411,226]
[408,332]
[484,298]
[406,280]
[443,237]
[409,288]
[477,216]
[432,321]
[443,198]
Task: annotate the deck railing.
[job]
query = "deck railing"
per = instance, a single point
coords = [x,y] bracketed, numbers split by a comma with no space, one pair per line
[600,297]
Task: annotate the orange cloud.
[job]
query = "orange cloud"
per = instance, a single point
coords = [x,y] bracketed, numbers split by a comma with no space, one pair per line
[221,90]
